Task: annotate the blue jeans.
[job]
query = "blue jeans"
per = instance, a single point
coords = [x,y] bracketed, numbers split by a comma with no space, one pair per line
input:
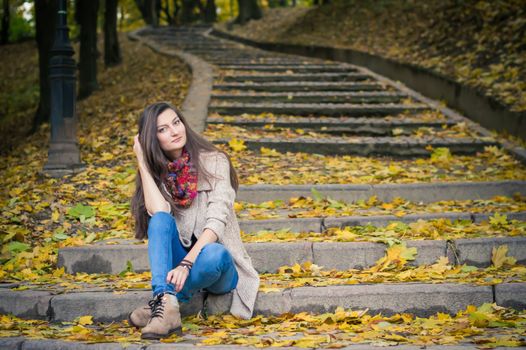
[213,270]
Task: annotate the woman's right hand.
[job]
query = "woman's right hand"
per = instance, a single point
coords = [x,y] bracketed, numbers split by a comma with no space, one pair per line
[137,148]
[178,277]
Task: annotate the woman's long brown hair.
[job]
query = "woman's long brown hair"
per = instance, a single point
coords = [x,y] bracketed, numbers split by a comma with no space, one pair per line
[157,161]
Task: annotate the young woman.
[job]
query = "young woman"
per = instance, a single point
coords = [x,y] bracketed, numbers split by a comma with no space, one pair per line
[183,204]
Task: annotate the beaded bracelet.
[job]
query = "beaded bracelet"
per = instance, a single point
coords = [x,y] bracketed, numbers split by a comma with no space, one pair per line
[187,264]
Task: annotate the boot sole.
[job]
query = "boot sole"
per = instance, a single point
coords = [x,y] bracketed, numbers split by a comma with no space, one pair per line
[155,336]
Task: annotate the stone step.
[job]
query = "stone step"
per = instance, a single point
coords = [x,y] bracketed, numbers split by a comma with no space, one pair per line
[320,224]
[313,68]
[263,57]
[312,97]
[419,299]
[338,125]
[225,61]
[301,86]
[187,46]
[268,257]
[208,51]
[296,77]
[346,109]
[56,344]
[414,192]
[402,146]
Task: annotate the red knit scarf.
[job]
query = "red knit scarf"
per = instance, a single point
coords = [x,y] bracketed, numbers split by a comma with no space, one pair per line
[181,180]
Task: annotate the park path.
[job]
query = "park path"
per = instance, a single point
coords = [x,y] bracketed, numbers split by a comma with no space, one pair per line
[297,104]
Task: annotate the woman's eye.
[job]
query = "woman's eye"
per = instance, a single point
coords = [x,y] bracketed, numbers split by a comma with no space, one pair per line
[177,122]
[161,130]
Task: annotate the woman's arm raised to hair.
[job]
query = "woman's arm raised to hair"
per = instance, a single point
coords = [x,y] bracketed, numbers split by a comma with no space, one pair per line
[153,199]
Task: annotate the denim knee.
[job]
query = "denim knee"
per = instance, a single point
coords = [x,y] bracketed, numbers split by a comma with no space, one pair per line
[212,259]
[215,252]
[161,223]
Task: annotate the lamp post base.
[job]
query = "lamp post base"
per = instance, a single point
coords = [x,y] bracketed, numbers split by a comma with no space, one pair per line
[63,159]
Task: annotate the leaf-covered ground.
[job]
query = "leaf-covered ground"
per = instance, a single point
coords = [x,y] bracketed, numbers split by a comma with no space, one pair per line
[480,43]
[269,166]
[41,214]
[487,326]
[218,131]
[19,92]
[440,229]
[391,268]
[317,206]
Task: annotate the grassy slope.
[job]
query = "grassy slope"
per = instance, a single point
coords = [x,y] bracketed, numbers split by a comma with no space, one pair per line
[36,209]
[18,91]
[480,43]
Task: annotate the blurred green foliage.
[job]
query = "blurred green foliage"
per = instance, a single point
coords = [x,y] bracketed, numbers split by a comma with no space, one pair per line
[20,28]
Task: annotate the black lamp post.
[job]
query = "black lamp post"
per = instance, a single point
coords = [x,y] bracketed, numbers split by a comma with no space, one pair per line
[63,155]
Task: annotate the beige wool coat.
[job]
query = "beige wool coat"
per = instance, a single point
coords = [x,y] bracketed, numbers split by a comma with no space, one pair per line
[213,208]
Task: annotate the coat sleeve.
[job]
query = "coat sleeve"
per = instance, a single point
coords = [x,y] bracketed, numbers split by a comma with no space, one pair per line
[221,197]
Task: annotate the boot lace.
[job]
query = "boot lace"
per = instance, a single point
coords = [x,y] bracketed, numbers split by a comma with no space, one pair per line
[157,306]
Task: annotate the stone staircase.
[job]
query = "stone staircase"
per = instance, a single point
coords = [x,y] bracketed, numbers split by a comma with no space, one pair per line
[352,111]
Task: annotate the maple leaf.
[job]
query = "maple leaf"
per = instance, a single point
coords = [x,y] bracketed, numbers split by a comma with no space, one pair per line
[268,152]
[498,220]
[85,320]
[499,258]
[441,155]
[81,212]
[237,145]
[396,257]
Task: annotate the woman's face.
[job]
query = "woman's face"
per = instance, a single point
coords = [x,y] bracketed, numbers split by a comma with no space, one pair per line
[171,134]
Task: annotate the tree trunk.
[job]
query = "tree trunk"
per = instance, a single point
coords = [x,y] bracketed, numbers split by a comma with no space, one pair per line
[210,11]
[177,8]
[248,9]
[150,10]
[45,21]
[166,11]
[86,16]
[187,11]
[4,32]
[141,5]
[112,52]
[155,9]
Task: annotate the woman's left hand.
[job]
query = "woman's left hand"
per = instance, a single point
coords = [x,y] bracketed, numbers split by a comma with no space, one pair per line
[178,277]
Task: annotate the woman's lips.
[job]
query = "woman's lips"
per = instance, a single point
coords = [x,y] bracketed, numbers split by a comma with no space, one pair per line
[177,140]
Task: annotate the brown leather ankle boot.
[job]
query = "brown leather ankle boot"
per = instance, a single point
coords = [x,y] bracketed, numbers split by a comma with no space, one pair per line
[141,315]
[165,319]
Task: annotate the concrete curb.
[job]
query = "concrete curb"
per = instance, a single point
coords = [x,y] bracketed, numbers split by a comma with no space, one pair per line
[195,105]
[421,299]
[480,108]
[415,192]
[268,257]
[21,343]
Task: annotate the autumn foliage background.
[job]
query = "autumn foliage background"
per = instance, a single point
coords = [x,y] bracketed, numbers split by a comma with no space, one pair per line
[481,45]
